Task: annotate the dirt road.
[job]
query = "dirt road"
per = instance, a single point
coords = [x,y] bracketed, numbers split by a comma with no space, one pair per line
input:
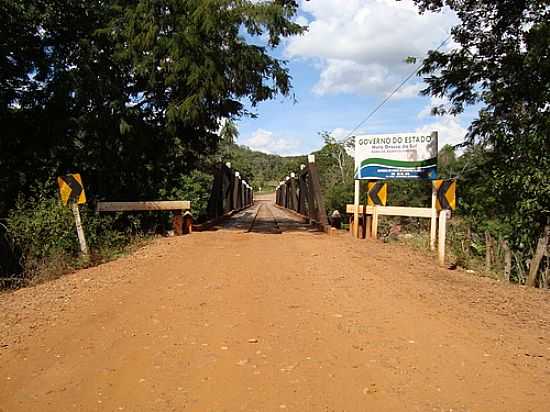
[269,315]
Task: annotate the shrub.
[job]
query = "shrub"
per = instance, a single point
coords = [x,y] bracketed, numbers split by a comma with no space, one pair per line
[195,187]
[44,230]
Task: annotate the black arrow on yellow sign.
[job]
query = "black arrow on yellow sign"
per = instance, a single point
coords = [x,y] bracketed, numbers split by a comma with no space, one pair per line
[446,194]
[377,193]
[76,189]
[71,189]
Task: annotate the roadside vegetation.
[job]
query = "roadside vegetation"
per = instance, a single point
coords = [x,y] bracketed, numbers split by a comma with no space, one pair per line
[131,95]
[503,167]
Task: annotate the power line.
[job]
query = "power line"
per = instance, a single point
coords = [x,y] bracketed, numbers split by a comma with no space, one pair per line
[388,97]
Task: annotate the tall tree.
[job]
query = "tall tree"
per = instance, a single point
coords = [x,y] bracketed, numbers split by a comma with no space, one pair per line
[129,93]
[502,62]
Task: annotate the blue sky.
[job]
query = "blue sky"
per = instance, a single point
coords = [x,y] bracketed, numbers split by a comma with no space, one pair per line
[351,57]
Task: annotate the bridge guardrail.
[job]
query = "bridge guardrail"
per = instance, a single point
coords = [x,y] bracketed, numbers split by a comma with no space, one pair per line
[230,193]
[301,193]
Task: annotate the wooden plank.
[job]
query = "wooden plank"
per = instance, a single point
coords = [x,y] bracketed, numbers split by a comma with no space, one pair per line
[425,212]
[143,206]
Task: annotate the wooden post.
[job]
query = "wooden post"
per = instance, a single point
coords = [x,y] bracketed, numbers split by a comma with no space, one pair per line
[177,223]
[356,200]
[433,222]
[539,254]
[187,227]
[507,260]
[467,242]
[488,250]
[368,224]
[375,222]
[80,231]
[442,236]
[316,187]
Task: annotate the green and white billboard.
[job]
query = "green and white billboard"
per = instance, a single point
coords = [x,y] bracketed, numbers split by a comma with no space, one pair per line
[396,156]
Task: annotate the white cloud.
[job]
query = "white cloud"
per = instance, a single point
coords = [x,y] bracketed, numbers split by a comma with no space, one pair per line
[360,45]
[340,133]
[449,129]
[408,91]
[265,141]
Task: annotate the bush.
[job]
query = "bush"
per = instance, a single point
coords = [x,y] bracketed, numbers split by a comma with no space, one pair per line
[44,230]
[195,187]
[337,197]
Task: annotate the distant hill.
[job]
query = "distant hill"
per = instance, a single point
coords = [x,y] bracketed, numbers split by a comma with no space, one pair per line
[263,170]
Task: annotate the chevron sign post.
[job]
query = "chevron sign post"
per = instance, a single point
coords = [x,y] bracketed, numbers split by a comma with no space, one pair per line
[71,189]
[377,193]
[446,194]
[72,193]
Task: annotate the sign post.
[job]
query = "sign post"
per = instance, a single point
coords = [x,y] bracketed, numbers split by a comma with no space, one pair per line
[442,236]
[80,231]
[443,201]
[433,221]
[356,210]
[71,191]
[394,156]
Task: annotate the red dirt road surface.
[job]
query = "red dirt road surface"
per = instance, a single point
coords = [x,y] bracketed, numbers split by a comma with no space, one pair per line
[266,314]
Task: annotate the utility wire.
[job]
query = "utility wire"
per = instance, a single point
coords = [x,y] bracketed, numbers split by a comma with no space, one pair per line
[388,97]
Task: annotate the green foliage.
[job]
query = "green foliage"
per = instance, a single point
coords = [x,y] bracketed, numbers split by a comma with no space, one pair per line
[260,169]
[335,173]
[505,69]
[195,187]
[337,197]
[45,231]
[43,228]
[129,93]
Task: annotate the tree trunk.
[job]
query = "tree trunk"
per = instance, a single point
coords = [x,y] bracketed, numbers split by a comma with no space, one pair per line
[537,258]
[507,260]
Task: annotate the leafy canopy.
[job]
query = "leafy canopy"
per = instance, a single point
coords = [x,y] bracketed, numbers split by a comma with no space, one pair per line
[129,93]
[501,63]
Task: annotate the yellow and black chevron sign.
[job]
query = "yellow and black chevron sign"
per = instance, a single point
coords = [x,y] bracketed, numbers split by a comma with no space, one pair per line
[377,193]
[446,194]
[71,189]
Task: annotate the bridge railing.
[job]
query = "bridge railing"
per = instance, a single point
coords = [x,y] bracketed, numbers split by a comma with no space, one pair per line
[301,193]
[230,193]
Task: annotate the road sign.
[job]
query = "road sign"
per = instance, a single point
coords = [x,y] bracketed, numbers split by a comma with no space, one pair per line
[71,189]
[446,194]
[396,156]
[377,193]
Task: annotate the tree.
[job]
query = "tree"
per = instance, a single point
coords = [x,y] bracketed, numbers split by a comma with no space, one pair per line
[229,132]
[129,93]
[502,63]
[339,152]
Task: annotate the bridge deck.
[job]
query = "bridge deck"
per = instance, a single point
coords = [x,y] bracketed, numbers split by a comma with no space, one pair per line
[265,217]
